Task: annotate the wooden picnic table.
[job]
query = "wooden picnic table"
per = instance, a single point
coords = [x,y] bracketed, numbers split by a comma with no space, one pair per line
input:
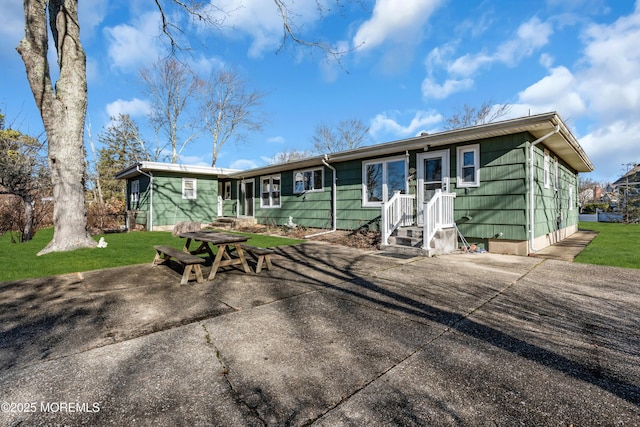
[224,242]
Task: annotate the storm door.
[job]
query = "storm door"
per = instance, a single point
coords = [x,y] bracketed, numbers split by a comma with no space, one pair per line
[246,198]
[433,174]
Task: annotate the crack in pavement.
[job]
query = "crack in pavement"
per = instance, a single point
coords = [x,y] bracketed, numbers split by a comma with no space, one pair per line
[443,332]
[225,374]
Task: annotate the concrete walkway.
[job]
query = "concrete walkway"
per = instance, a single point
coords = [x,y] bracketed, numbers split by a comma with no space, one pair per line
[569,248]
[331,337]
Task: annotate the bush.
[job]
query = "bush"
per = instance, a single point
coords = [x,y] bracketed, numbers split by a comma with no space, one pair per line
[106,216]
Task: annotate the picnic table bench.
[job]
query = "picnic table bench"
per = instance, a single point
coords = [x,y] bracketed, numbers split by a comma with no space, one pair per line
[224,243]
[190,262]
[261,255]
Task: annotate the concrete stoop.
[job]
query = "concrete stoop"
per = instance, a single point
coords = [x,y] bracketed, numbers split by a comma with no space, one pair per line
[230,222]
[409,240]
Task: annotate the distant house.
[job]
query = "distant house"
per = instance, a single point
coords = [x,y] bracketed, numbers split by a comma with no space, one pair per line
[631,179]
[508,186]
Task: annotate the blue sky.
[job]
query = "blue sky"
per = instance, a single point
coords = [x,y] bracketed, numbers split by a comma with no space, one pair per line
[409,63]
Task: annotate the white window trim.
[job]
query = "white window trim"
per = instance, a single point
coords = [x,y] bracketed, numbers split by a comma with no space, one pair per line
[321,169]
[547,167]
[271,205]
[365,202]
[571,202]
[135,191]
[195,188]
[227,190]
[556,175]
[476,164]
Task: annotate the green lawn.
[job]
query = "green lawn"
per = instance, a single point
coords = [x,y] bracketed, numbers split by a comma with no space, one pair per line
[615,245]
[19,260]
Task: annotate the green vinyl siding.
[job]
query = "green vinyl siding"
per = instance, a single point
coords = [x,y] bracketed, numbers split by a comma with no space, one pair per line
[497,207]
[552,211]
[314,208]
[499,204]
[169,207]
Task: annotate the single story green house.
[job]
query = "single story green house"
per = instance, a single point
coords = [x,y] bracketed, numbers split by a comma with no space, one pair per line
[159,195]
[508,186]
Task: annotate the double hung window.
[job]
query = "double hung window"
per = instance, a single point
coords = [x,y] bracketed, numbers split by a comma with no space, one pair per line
[135,191]
[468,166]
[270,191]
[189,188]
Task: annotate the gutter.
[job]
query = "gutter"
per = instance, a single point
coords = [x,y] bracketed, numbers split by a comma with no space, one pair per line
[532,198]
[334,208]
[150,175]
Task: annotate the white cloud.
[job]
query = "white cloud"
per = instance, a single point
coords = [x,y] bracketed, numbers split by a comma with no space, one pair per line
[555,92]
[611,79]
[204,65]
[399,21]
[530,36]
[275,140]
[135,107]
[261,20]
[431,89]
[134,46]
[91,14]
[611,146]
[387,123]
[194,160]
[243,164]
[604,88]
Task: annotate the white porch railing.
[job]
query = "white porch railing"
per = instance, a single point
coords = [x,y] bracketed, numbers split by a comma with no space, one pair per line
[397,212]
[438,214]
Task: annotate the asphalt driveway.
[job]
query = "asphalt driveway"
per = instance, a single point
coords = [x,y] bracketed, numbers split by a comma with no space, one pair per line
[332,336]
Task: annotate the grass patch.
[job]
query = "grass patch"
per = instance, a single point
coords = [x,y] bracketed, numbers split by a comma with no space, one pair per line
[19,260]
[615,245]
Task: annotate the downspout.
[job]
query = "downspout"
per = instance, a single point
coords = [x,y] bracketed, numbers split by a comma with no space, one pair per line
[532,191]
[334,208]
[150,175]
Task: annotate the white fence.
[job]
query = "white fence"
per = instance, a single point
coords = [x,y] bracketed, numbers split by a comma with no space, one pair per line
[397,212]
[438,214]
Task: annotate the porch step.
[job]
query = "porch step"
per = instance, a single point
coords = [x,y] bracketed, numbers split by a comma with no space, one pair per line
[409,240]
[229,222]
[407,236]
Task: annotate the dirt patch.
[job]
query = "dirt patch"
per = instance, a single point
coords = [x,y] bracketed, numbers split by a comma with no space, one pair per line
[354,239]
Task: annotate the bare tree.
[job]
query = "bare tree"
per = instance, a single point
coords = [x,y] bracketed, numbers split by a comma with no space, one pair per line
[349,134]
[23,173]
[172,87]
[468,116]
[63,109]
[290,156]
[229,109]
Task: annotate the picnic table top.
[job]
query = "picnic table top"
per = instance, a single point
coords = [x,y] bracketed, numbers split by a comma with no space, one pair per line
[214,237]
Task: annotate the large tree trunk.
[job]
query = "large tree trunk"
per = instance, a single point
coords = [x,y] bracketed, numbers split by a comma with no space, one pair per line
[63,113]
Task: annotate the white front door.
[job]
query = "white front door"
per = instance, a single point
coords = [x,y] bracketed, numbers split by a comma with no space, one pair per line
[433,174]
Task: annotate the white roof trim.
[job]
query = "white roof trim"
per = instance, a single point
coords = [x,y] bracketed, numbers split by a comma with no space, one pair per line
[564,144]
[173,167]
